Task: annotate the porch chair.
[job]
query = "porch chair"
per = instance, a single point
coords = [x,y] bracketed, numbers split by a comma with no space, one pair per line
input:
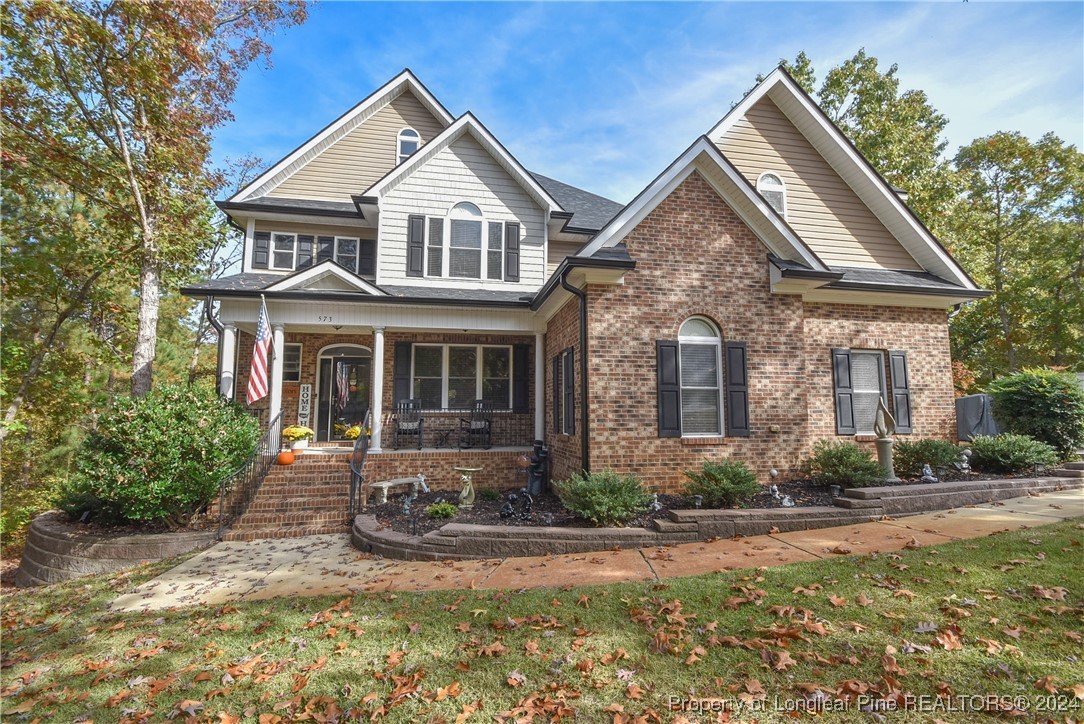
[478,428]
[409,421]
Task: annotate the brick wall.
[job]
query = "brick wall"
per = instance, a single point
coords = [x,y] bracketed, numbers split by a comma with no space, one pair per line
[563,332]
[500,470]
[695,257]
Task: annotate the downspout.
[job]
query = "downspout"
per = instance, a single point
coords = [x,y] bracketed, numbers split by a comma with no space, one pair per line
[585,449]
[217,326]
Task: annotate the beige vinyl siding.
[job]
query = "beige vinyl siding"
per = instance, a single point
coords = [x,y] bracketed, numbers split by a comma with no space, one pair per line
[557,253]
[464,171]
[821,208]
[360,158]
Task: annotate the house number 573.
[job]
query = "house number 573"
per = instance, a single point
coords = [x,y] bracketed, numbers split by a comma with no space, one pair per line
[324,318]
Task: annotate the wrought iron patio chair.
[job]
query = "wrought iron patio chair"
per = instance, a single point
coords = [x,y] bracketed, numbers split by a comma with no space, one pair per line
[477,430]
[409,421]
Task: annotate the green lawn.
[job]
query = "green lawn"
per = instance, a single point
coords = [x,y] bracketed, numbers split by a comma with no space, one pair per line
[990,623]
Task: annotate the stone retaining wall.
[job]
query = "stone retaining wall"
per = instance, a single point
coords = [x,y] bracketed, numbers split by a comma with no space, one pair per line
[458,541]
[53,553]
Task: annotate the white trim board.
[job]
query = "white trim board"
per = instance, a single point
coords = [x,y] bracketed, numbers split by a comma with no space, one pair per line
[341,126]
[305,277]
[704,157]
[856,172]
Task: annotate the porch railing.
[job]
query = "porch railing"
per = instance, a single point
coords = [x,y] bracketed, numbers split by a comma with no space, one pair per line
[357,475]
[236,490]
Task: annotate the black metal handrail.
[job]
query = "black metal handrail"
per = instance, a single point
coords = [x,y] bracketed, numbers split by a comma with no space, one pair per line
[357,477]
[236,490]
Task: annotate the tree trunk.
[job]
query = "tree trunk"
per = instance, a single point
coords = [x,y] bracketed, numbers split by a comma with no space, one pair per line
[149,299]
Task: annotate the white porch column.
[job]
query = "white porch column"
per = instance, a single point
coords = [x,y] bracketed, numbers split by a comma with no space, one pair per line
[228,345]
[540,386]
[278,341]
[378,388]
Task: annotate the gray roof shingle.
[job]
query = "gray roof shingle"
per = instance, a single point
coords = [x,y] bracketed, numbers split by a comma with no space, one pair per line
[589,211]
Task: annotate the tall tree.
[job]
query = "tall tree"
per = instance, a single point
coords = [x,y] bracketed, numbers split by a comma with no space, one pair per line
[1019,228]
[899,132]
[117,100]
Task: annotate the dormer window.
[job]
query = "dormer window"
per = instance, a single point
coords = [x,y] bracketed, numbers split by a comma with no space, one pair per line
[409,140]
[774,191]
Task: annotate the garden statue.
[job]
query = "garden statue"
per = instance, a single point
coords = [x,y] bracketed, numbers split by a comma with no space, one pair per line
[466,496]
[421,484]
[927,475]
[506,510]
[698,500]
[408,500]
[656,506]
[884,426]
[787,502]
[774,491]
[547,519]
[964,465]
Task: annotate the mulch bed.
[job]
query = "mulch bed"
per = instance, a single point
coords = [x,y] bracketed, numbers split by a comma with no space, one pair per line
[547,510]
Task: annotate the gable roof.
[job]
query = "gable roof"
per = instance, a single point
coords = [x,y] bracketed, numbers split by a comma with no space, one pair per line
[340,127]
[704,157]
[856,171]
[467,124]
[309,278]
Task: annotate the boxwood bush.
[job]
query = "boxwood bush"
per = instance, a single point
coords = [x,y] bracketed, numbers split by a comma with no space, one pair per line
[159,458]
[1009,453]
[1043,404]
[909,457]
[605,498]
[844,463]
[722,484]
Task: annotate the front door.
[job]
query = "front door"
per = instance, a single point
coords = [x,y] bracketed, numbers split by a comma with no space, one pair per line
[343,396]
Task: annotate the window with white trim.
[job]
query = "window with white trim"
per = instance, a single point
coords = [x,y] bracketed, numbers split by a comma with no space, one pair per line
[465,245]
[701,389]
[868,385]
[453,376]
[283,251]
[465,241]
[770,185]
[346,253]
[408,142]
[291,362]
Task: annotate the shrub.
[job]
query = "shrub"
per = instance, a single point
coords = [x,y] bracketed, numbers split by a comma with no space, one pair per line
[1009,453]
[844,463]
[441,510]
[605,498]
[489,494]
[1043,404]
[160,457]
[909,457]
[722,484]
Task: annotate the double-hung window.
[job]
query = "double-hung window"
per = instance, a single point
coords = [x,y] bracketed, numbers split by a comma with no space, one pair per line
[283,251]
[861,384]
[346,253]
[453,376]
[465,242]
[701,398]
[291,362]
[463,245]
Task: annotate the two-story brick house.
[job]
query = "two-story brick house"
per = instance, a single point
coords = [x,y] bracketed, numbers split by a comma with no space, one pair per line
[763,292]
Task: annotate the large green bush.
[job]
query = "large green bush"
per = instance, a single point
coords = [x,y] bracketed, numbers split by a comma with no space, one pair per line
[1043,404]
[1009,453]
[909,457]
[844,463]
[722,484]
[160,458]
[605,498]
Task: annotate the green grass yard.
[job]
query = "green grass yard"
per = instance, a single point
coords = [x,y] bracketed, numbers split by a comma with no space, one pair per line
[992,625]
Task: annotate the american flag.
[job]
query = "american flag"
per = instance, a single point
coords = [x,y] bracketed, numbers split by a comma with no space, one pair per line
[257,376]
[342,387]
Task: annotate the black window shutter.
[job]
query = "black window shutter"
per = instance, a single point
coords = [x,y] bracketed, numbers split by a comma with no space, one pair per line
[415,246]
[367,257]
[511,252]
[669,388]
[401,384]
[521,377]
[557,393]
[844,392]
[901,391]
[737,390]
[436,247]
[568,381]
[261,249]
[325,248]
[304,252]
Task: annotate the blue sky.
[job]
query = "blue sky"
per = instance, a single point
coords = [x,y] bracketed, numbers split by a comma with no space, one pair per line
[604,96]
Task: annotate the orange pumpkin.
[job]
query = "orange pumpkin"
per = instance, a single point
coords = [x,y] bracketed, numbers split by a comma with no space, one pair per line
[286,457]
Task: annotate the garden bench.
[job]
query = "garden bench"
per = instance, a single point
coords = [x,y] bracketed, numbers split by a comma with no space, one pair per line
[382,487]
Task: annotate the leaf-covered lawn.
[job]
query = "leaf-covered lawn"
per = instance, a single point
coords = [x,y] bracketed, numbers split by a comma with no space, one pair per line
[995,624]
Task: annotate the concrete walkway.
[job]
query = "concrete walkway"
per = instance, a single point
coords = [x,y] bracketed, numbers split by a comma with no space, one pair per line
[328,564]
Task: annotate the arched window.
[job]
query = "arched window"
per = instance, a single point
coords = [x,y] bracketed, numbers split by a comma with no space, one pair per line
[700,365]
[774,191]
[408,143]
[465,241]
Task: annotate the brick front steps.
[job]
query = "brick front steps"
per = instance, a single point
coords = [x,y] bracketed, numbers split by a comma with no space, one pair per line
[308,497]
[456,540]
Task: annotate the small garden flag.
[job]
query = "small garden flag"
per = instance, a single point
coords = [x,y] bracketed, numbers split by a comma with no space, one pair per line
[257,376]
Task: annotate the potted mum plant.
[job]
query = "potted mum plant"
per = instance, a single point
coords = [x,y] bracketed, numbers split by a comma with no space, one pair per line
[298,435]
